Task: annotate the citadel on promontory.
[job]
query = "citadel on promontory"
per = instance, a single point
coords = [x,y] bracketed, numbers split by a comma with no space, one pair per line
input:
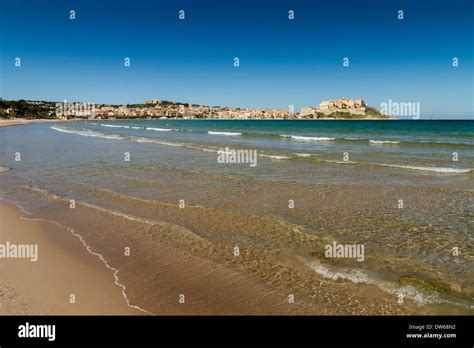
[341,108]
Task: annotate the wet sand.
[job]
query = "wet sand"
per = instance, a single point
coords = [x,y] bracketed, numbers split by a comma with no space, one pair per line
[170,282]
[22,121]
[64,267]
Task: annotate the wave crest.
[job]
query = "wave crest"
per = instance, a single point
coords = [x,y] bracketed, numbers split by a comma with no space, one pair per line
[304,138]
[224,133]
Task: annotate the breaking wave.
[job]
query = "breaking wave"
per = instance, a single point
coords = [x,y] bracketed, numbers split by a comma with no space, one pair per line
[379,142]
[224,133]
[359,277]
[158,129]
[302,138]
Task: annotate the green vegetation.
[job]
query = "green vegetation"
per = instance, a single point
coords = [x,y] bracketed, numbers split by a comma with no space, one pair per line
[375,113]
[340,114]
[319,255]
[430,286]
[370,112]
[138,106]
[29,110]
[422,284]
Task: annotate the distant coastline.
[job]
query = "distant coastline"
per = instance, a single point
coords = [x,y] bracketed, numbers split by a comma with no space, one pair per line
[340,109]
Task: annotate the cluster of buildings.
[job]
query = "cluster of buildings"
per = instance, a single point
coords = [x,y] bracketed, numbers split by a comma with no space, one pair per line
[342,105]
[156,108]
[229,113]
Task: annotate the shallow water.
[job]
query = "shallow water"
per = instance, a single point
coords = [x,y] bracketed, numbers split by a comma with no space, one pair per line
[408,250]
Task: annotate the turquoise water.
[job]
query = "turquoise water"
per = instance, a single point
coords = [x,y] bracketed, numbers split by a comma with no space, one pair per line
[438,146]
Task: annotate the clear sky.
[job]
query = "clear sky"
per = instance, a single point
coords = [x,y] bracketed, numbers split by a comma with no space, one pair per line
[282,62]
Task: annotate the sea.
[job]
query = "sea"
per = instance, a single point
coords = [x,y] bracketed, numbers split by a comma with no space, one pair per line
[404,190]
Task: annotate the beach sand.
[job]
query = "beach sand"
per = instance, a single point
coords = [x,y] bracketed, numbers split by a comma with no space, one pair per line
[64,267]
[21,121]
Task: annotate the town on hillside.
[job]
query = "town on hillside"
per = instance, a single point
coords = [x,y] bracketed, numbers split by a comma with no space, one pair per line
[343,108]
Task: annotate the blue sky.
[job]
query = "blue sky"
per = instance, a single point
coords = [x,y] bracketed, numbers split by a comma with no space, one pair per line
[282,62]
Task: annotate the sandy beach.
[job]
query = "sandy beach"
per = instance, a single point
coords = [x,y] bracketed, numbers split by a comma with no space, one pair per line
[64,267]
[21,121]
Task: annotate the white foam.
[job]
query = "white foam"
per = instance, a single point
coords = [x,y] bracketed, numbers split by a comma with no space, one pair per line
[275,156]
[354,275]
[303,154]
[159,129]
[224,133]
[114,126]
[429,169]
[340,162]
[302,138]
[360,277]
[87,133]
[205,149]
[445,170]
[115,137]
[155,141]
[383,142]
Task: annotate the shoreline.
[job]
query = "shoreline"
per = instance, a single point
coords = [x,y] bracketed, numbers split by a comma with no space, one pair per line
[21,121]
[24,121]
[64,267]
